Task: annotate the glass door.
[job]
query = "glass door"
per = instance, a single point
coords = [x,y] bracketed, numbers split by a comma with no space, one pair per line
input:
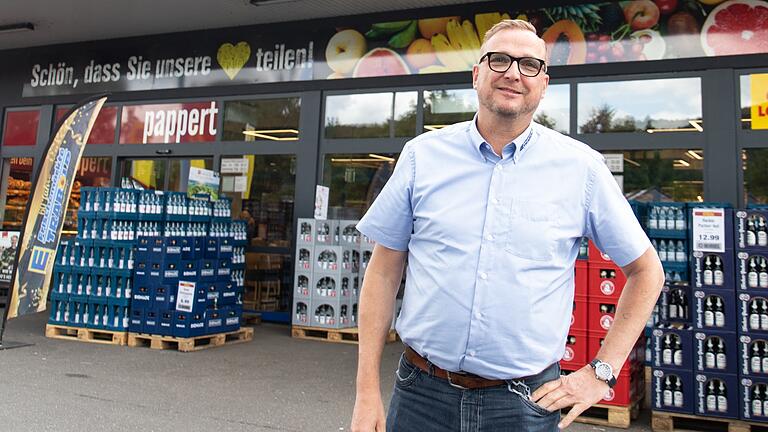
[262,190]
[171,174]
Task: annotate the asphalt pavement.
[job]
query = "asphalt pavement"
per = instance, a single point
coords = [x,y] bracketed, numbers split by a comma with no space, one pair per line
[274,383]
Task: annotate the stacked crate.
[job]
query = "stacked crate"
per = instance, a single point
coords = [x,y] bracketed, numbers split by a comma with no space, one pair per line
[189,281]
[91,285]
[751,263]
[695,344]
[605,283]
[331,259]
[327,278]
[667,227]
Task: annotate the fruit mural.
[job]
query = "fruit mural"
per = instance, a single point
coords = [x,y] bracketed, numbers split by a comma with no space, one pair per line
[634,30]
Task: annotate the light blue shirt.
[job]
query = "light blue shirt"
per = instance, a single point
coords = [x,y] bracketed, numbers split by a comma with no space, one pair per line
[492,242]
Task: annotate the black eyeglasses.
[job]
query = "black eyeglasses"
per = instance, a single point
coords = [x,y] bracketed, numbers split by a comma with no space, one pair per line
[501,62]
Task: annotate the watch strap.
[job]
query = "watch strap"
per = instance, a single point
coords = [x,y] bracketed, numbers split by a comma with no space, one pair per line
[611,381]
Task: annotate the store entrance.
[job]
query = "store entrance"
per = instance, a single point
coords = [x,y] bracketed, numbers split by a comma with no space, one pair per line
[170,174]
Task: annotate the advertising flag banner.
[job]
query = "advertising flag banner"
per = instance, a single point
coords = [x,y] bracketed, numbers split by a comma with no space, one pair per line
[47,208]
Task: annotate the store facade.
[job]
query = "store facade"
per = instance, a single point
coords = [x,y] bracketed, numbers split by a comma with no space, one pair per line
[262,106]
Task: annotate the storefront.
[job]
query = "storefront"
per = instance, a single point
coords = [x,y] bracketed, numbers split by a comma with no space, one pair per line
[278,109]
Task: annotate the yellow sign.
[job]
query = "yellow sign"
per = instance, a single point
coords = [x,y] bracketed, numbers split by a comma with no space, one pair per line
[759,91]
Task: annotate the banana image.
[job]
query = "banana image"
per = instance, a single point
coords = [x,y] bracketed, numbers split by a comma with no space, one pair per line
[447,55]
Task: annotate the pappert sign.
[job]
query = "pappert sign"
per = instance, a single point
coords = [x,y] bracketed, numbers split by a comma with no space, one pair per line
[169,123]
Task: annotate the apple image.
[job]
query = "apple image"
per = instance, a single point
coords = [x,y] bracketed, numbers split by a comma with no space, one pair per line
[641,14]
[344,50]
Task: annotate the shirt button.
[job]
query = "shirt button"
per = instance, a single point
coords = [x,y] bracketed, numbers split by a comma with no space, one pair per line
[498,167]
[489,237]
[478,315]
[495,200]
[471,353]
[483,276]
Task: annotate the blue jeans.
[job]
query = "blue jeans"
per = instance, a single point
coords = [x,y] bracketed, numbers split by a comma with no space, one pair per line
[425,403]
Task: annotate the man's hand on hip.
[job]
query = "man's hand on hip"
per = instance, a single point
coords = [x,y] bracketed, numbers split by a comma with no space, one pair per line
[368,415]
[579,390]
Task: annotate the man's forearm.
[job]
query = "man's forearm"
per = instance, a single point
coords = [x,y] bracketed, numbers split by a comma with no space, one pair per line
[635,306]
[376,307]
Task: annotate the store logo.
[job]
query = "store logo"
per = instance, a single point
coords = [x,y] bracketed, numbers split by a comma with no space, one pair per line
[606,321]
[568,355]
[607,287]
[39,259]
[232,58]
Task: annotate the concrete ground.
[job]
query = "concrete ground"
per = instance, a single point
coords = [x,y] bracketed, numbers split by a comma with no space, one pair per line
[274,383]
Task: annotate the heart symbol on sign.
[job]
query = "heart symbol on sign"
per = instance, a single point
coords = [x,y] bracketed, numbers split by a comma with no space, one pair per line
[232,58]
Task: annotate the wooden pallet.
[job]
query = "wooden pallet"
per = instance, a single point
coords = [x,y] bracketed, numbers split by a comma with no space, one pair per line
[106,337]
[245,334]
[251,318]
[667,422]
[348,335]
[610,415]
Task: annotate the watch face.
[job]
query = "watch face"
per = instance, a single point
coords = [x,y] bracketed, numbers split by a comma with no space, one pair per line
[603,371]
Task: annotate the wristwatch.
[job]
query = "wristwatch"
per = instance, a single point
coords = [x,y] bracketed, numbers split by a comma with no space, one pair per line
[603,372]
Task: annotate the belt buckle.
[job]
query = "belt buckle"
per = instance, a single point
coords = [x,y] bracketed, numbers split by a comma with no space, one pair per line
[450,381]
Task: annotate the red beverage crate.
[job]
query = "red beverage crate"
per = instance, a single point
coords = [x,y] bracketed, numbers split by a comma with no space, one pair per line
[605,282]
[575,356]
[579,314]
[598,258]
[598,319]
[581,278]
[629,385]
[635,359]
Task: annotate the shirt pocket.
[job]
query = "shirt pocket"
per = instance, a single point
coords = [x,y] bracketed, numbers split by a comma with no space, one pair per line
[531,232]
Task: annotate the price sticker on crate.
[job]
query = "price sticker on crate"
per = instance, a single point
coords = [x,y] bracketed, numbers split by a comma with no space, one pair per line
[709,230]
[186,296]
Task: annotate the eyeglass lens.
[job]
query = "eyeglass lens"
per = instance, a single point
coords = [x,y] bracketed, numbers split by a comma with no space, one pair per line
[527,66]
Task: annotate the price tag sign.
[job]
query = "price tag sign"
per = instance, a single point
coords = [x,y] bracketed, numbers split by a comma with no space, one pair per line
[709,230]
[185,298]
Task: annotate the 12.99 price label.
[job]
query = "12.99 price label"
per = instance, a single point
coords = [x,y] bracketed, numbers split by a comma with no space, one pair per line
[709,230]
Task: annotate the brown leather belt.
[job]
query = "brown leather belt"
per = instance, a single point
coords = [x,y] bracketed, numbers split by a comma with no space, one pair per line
[457,379]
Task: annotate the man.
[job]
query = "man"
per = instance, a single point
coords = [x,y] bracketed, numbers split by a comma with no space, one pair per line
[490,214]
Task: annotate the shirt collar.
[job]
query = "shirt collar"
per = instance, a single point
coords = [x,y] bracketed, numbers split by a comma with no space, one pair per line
[520,143]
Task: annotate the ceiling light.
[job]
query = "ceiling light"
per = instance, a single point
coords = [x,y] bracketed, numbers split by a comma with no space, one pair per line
[694,154]
[681,163]
[269,2]
[384,158]
[696,125]
[434,127]
[269,134]
[631,162]
[18,27]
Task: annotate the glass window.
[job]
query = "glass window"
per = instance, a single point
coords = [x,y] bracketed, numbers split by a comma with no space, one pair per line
[21,127]
[103,131]
[17,189]
[178,172]
[265,119]
[370,115]
[755,165]
[757,106]
[652,106]
[170,174]
[148,173]
[446,107]
[662,175]
[355,180]
[266,203]
[92,171]
[405,114]
[554,110]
